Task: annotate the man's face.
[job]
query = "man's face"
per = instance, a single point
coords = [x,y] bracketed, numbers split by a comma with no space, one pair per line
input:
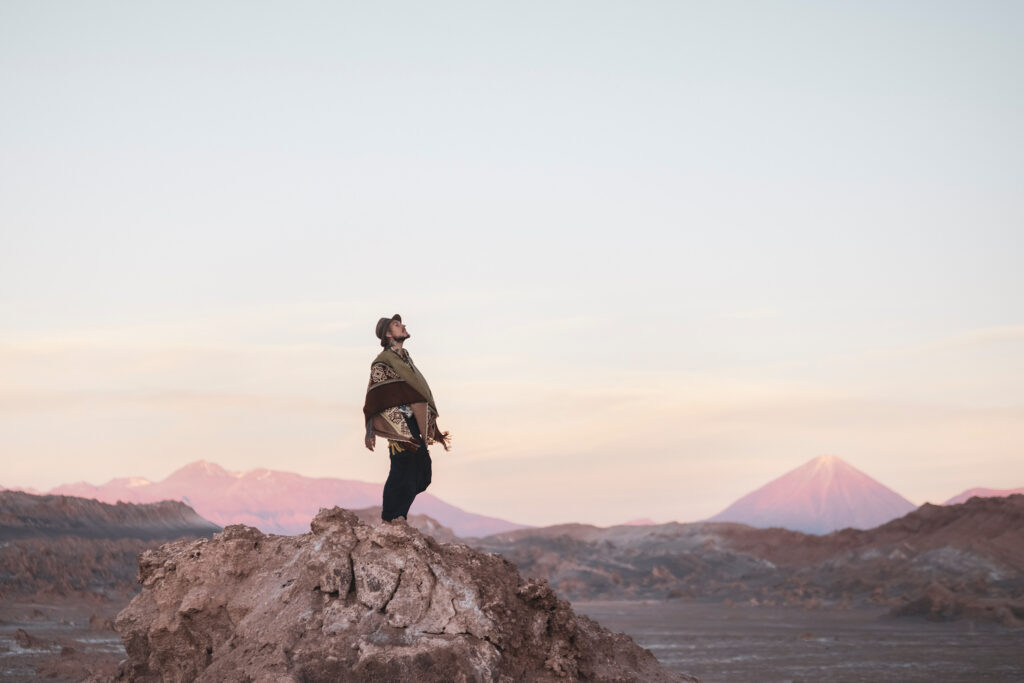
[397,331]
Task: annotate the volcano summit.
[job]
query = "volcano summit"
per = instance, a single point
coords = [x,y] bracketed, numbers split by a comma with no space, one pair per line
[822,495]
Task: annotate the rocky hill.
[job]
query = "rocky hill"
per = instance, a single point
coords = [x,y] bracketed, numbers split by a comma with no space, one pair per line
[63,546]
[974,550]
[353,602]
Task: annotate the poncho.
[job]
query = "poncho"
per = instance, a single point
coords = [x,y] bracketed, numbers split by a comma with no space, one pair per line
[395,382]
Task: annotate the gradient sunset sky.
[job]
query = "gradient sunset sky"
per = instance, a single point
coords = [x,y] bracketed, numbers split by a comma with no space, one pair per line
[651,254]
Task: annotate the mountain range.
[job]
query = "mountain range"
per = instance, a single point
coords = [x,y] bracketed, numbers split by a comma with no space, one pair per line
[822,495]
[272,501]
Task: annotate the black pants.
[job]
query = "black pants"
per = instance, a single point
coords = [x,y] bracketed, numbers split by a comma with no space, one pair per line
[409,475]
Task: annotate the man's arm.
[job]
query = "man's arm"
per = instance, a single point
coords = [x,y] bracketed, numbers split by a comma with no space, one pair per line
[371,436]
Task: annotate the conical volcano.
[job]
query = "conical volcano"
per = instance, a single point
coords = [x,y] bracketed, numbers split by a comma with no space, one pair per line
[820,496]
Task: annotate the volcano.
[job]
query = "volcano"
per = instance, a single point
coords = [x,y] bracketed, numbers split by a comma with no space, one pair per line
[820,496]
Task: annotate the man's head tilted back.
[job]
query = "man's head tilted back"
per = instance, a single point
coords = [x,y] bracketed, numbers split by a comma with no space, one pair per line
[391,330]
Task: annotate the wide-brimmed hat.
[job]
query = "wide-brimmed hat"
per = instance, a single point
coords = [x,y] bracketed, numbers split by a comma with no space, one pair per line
[382,325]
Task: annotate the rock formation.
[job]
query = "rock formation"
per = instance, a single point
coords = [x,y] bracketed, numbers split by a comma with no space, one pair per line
[351,602]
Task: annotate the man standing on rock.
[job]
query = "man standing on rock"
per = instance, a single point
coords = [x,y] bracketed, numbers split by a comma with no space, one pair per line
[400,408]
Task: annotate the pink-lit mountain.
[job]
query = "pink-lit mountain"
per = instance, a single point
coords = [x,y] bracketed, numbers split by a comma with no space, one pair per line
[820,496]
[982,493]
[274,502]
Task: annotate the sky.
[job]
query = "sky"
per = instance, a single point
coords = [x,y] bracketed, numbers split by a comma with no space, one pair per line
[652,255]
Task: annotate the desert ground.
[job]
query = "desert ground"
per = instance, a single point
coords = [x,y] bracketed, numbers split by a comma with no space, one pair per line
[58,640]
[747,644]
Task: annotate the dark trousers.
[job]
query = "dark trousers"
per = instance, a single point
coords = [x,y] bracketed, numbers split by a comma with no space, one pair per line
[409,475]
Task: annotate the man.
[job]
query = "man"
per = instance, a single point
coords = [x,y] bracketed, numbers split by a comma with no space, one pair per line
[400,408]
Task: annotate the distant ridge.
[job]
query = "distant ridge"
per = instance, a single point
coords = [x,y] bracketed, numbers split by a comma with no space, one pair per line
[27,515]
[942,561]
[643,521]
[65,546]
[820,496]
[982,492]
[273,501]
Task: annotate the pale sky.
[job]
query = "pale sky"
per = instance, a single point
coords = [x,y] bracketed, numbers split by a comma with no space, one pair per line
[651,254]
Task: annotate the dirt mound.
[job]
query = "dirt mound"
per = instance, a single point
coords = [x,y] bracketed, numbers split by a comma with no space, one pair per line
[352,602]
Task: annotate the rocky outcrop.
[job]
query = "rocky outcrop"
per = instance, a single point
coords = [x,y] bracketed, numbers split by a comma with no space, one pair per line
[351,602]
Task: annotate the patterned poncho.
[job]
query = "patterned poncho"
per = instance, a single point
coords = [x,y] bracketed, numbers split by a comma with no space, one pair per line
[397,385]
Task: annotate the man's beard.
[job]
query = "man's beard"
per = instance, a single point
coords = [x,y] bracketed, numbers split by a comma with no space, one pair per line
[402,338]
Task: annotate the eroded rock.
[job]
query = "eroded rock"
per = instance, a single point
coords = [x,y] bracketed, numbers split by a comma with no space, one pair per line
[353,602]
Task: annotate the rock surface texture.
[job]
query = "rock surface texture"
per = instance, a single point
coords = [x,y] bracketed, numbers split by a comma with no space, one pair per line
[351,602]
